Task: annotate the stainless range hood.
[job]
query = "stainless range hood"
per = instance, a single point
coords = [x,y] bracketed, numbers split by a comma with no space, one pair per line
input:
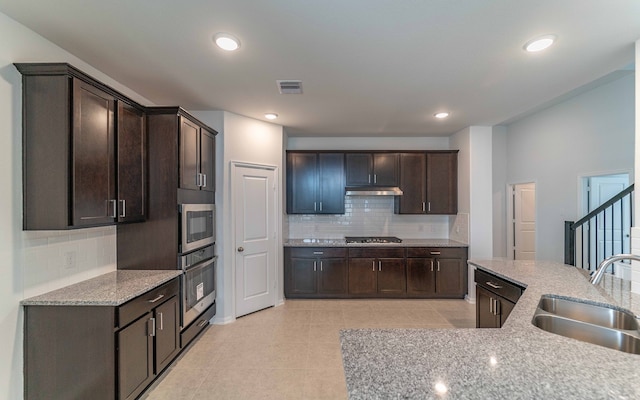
[373,191]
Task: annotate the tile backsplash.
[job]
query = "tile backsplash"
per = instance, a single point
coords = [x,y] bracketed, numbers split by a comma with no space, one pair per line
[368,216]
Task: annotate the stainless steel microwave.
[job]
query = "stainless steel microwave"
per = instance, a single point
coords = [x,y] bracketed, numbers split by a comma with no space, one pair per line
[198,228]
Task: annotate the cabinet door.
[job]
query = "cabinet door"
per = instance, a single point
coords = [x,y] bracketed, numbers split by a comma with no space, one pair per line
[302,276]
[333,276]
[359,169]
[207,160]
[331,183]
[504,309]
[189,154]
[385,169]
[450,277]
[94,199]
[413,182]
[132,155]
[135,358]
[391,276]
[442,183]
[485,318]
[421,277]
[167,339]
[302,183]
[362,276]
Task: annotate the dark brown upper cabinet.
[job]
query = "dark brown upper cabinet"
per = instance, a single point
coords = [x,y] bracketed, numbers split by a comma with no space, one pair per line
[315,183]
[413,182]
[372,169]
[197,154]
[442,182]
[132,168]
[70,161]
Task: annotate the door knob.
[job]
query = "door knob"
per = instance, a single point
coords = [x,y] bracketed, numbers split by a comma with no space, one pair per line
[240,249]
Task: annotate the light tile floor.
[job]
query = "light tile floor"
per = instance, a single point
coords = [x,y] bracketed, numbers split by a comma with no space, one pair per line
[292,351]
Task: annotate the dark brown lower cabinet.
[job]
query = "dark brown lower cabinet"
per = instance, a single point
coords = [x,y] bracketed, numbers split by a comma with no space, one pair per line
[315,272]
[101,352]
[375,272]
[495,299]
[436,272]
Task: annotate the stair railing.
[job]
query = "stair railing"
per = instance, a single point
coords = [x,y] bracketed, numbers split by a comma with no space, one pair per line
[594,237]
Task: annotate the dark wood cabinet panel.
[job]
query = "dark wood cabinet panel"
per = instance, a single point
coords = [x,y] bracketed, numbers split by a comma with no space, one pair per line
[420,277]
[442,182]
[484,309]
[363,276]
[189,155]
[207,160]
[504,309]
[167,339]
[302,276]
[372,169]
[495,299]
[391,276]
[132,168]
[135,358]
[413,182]
[451,277]
[333,276]
[315,183]
[94,198]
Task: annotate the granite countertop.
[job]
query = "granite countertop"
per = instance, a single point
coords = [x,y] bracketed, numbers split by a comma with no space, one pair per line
[111,289]
[342,243]
[517,361]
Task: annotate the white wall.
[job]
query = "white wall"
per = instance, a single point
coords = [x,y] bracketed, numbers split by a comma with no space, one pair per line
[499,156]
[240,139]
[589,134]
[32,263]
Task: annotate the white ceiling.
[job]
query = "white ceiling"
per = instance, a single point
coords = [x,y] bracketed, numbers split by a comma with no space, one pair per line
[368,67]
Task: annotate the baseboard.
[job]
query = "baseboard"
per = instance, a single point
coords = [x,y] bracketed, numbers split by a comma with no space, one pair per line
[222,321]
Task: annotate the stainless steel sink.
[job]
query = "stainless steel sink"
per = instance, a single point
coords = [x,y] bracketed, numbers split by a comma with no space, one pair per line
[588,312]
[589,322]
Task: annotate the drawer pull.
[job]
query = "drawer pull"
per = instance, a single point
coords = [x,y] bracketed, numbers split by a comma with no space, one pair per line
[157,298]
[493,285]
[435,253]
[318,252]
[202,323]
[315,266]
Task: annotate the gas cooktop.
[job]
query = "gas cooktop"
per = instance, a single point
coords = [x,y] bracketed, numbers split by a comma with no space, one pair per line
[372,239]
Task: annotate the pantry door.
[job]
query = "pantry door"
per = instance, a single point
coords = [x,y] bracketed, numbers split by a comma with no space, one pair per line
[254,201]
[524,221]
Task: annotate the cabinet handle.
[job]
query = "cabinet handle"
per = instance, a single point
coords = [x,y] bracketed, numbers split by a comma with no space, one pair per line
[423,207]
[379,265]
[114,208]
[429,206]
[375,178]
[157,298]
[314,206]
[369,178]
[373,263]
[431,265]
[320,206]
[438,264]
[315,265]
[491,305]
[204,179]
[434,253]
[198,180]
[161,321]
[496,307]
[202,323]
[153,327]
[318,252]
[320,266]
[123,211]
[493,285]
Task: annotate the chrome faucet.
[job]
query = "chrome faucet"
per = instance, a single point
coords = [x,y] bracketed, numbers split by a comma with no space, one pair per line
[596,277]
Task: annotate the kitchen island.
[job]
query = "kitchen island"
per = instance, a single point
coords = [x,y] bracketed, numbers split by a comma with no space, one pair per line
[517,361]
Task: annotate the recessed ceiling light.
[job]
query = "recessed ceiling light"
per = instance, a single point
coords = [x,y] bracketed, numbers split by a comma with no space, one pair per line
[271,115]
[441,115]
[539,43]
[226,41]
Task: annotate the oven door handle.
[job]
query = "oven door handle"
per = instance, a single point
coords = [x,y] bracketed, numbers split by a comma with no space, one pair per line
[201,264]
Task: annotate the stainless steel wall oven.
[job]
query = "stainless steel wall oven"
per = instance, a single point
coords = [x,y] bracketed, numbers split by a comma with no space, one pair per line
[197,226]
[198,283]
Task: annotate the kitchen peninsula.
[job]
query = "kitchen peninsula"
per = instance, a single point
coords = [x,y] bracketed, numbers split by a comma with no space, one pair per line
[517,361]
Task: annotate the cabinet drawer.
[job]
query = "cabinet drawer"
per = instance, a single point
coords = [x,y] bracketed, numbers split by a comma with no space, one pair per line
[497,285]
[439,252]
[314,252]
[368,252]
[133,309]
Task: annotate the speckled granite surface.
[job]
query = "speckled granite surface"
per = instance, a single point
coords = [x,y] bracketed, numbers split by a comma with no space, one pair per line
[110,289]
[518,361]
[342,243]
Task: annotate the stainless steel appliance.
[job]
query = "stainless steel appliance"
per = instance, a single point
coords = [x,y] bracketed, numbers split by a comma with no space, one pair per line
[198,283]
[197,226]
[372,239]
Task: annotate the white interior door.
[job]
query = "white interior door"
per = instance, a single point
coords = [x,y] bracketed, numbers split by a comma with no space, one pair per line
[524,221]
[255,210]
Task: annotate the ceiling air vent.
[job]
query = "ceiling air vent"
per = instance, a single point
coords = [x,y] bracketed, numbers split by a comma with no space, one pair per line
[290,87]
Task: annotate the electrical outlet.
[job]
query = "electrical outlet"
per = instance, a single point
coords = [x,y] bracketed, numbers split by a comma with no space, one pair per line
[70,260]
